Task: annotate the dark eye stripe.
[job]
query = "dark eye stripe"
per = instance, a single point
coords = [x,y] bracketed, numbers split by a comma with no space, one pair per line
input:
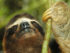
[38,27]
[11,31]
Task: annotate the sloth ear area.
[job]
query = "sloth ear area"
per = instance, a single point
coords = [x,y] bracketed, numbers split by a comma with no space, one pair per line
[11,30]
[36,25]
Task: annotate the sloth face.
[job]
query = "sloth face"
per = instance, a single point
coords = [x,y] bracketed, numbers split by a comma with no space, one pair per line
[24,27]
[22,33]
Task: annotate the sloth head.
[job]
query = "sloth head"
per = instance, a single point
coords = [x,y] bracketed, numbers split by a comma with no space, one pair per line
[22,31]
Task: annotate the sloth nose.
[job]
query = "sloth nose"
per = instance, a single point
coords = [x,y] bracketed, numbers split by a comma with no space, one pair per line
[24,25]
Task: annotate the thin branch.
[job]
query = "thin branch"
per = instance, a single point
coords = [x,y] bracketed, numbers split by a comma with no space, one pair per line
[48,31]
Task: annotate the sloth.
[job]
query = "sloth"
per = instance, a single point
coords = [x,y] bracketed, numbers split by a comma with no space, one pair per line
[23,34]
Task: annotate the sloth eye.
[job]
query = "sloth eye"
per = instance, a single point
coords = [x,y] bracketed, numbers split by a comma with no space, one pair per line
[36,25]
[11,31]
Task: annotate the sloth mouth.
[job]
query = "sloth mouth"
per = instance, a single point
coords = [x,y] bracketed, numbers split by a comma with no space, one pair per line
[26,32]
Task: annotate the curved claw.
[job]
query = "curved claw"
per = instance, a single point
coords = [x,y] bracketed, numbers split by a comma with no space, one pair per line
[47,15]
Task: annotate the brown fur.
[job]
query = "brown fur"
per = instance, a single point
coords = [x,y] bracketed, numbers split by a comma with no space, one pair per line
[15,41]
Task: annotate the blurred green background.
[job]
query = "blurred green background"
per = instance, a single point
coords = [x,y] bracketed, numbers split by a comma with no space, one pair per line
[9,8]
